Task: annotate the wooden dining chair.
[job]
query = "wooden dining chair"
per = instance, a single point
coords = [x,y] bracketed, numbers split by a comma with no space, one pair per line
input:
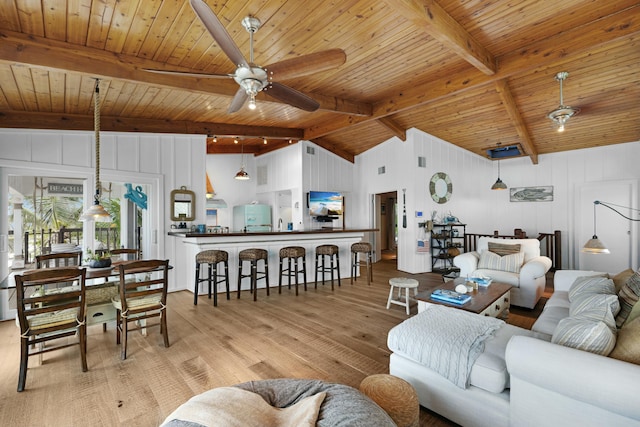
[125,254]
[59,259]
[49,309]
[142,296]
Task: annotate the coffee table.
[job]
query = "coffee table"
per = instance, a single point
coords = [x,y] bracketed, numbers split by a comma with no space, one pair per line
[492,300]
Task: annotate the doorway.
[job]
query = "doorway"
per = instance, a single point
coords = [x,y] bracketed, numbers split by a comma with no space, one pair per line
[387,223]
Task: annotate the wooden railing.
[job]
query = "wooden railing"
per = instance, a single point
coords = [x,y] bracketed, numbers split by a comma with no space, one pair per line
[36,243]
[550,243]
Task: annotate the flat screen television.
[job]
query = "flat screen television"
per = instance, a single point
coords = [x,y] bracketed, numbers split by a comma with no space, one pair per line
[325,203]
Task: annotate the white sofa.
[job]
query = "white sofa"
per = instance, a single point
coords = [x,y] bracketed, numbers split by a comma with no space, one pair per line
[528,284]
[543,384]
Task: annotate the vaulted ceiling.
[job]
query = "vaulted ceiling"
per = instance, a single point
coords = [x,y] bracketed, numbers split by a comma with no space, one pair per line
[476,73]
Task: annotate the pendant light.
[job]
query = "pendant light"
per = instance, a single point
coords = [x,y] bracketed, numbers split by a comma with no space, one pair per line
[242,174]
[96,212]
[499,185]
[563,113]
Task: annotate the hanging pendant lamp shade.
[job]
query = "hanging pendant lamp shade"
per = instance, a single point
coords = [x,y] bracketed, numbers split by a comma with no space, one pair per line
[242,174]
[97,212]
[499,185]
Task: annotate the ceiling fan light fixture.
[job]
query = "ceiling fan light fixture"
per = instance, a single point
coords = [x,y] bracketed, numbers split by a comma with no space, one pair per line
[563,113]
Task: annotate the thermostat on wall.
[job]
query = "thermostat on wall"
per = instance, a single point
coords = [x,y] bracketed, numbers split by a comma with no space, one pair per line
[418,214]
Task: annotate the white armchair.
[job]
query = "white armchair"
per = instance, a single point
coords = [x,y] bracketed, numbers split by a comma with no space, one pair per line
[528,284]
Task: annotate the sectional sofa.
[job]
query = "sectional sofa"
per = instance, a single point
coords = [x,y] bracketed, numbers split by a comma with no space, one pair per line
[522,378]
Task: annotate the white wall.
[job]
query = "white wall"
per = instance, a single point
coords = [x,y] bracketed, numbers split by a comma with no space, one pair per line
[472,201]
[163,162]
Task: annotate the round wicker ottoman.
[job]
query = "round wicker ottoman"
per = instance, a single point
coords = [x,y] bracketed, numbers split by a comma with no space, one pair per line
[396,396]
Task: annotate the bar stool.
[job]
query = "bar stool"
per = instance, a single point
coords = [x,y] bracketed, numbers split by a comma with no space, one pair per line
[212,258]
[356,250]
[322,252]
[291,254]
[254,255]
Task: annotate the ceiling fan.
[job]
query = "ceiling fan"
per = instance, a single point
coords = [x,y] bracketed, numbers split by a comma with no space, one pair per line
[253,78]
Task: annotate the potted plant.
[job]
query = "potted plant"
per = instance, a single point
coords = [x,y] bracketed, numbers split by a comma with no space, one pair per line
[98,260]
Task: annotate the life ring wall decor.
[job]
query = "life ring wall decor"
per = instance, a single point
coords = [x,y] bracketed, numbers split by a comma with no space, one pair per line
[440,187]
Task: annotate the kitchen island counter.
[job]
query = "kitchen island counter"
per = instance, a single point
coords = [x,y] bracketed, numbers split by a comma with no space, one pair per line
[192,243]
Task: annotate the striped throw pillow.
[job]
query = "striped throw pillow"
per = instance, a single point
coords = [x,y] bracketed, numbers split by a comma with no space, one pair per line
[591,285]
[503,249]
[596,307]
[628,296]
[492,261]
[584,334]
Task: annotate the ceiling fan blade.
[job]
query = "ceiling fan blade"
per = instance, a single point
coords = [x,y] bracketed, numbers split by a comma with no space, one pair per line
[190,74]
[218,32]
[238,101]
[307,64]
[291,96]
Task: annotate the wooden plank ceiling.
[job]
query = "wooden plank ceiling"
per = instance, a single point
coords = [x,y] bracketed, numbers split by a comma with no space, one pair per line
[477,73]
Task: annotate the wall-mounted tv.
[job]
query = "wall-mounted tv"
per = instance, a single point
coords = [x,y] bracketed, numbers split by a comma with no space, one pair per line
[325,203]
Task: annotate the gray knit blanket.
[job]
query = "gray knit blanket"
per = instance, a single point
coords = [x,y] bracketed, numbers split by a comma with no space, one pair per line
[444,339]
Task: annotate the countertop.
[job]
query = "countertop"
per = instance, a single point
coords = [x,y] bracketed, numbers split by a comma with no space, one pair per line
[189,233]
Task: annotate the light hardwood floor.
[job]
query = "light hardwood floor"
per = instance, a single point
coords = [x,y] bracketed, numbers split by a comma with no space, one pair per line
[337,336]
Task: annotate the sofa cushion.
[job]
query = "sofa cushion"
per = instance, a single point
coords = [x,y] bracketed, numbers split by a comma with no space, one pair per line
[628,296]
[558,299]
[549,319]
[628,343]
[503,248]
[507,277]
[585,334]
[490,370]
[492,261]
[589,285]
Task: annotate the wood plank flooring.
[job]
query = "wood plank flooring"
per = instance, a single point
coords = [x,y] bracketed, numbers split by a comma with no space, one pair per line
[337,336]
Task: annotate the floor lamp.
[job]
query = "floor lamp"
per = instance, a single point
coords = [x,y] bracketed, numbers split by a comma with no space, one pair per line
[594,245]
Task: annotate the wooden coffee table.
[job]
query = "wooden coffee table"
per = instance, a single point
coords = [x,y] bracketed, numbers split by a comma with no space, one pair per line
[492,300]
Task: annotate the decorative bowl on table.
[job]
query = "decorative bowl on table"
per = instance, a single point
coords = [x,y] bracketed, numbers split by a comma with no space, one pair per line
[481,281]
[100,263]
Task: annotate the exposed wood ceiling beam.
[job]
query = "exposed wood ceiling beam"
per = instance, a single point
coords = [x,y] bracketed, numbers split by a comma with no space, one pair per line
[394,127]
[579,42]
[512,110]
[327,145]
[428,15]
[123,124]
[52,54]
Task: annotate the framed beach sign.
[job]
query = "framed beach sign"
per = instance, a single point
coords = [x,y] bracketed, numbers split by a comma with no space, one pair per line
[531,194]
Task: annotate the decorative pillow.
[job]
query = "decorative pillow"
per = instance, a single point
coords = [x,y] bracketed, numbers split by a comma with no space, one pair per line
[584,334]
[628,344]
[503,249]
[628,296]
[621,278]
[596,307]
[493,261]
[635,313]
[589,285]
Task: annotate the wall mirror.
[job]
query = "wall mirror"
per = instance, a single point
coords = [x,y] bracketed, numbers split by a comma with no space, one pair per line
[183,205]
[440,187]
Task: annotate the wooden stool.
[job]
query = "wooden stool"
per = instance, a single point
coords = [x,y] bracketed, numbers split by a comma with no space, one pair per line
[402,283]
[356,249]
[212,258]
[396,396]
[254,255]
[293,254]
[332,252]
